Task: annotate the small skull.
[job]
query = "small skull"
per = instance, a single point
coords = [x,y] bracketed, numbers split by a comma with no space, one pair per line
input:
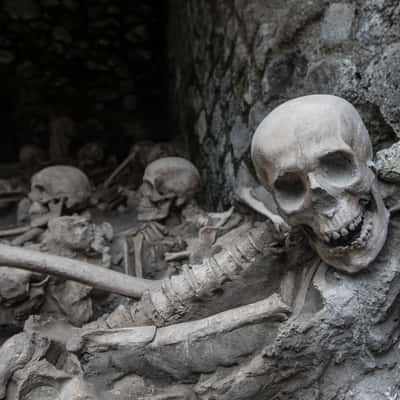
[90,155]
[167,182]
[31,157]
[57,184]
[147,151]
[313,154]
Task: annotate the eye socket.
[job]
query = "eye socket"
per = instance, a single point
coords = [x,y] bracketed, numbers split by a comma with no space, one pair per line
[289,191]
[339,167]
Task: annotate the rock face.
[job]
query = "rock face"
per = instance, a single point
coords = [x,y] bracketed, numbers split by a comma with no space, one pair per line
[242,58]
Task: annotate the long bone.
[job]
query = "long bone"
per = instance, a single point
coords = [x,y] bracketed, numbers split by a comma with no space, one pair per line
[92,275]
[165,301]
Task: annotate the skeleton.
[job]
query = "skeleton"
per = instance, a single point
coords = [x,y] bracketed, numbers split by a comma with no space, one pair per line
[167,182]
[168,185]
[312,153]
[54,190]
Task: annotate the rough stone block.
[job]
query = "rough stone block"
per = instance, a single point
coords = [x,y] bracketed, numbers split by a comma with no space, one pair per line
[337,23]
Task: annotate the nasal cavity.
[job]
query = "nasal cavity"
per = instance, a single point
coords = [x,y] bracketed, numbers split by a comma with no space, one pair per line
[323,201]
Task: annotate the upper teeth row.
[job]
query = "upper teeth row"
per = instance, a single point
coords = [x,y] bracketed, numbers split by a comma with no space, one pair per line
[343,232]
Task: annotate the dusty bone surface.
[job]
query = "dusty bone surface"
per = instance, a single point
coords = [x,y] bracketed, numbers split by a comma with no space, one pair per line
[331,332]
[23,293]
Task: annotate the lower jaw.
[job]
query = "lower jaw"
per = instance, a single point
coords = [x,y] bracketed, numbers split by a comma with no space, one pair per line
[354,259]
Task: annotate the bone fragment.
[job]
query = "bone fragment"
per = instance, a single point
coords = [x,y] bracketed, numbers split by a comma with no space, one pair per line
[88,274]
[119,169]
[15,231]
[179,255]
[138,246]
[27,236]
[43,220]
[183,348]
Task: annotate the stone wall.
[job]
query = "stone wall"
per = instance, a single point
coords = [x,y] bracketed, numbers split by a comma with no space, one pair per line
[98,61]
[233,61]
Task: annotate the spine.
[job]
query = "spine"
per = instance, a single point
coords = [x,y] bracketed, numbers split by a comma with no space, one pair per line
[181,294]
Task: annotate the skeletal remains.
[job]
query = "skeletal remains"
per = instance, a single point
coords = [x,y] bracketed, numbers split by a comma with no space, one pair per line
[313,154]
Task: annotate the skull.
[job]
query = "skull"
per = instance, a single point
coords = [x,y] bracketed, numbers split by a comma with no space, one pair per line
[167,182]
[313,154]
[91,155]
[31,156]
[56,184]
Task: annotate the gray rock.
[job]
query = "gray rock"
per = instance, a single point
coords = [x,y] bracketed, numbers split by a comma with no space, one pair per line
[264,42]
[201,127]
[337,23]
[244,177]
[217,123]
[257,113]
[387,163]
[240,138]
[382,77]
[333,75]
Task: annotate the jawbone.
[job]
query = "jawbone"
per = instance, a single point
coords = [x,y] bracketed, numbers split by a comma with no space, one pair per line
[358,254]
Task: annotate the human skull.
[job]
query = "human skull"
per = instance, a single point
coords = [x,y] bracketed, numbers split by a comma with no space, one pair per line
[59,184]
[168,181]
[147,151]
[313,154]
[91,155]
[31,156]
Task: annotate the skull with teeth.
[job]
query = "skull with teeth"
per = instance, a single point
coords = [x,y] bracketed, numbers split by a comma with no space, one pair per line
[58,184]
[167,182]
[313,153]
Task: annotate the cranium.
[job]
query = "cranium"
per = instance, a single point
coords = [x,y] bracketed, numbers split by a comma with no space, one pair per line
[59,184]
[313,153]
[91,155]
[167,181]
[31,156]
